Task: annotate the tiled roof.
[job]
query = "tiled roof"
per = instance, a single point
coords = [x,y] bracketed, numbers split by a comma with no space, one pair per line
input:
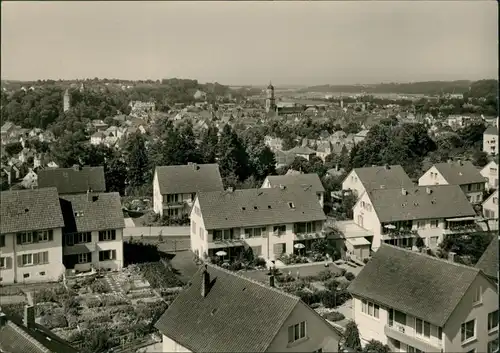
[305,181]
[488,262]
[179,179]
[17,338]
[73,180]
[459,173]
[392,176]
[444,201]
[416,284]
[491,130]
[255,207]
[301,150]
[237,314]
[26,210]
[98,211]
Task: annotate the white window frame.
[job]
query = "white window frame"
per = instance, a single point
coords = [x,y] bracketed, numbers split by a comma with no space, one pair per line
[434,223]
[299,332]
[3,262]
[83,258]
[463,331]
[478,295]
[107,235]
[422,323]
[491,317]
[27,259]
[371,309]
[491,343]
[110,252]
[279,229]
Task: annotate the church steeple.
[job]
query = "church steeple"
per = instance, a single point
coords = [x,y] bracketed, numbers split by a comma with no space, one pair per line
[270,101]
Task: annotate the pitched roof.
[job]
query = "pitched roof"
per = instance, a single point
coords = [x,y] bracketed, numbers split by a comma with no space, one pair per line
[301,150]
[25,210]
[307,181]
[237,314]
[443,201]
[96,211]
[17,338]
[488,262]
[73,180]
[389,177]
[179,179]
[416,284]
[256,207]
[459,173]
[491,130]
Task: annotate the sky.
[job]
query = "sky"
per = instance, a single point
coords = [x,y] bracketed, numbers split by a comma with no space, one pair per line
[251,43]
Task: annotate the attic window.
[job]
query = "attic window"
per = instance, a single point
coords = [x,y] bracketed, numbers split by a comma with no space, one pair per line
[269,206]
[433,202]
[255,207]
[213,311]
[78,213]
[243,208]
[291,205]
[415,204]
[26,210]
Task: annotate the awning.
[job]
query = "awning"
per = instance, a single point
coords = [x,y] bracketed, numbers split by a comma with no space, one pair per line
[358,241]
[460,219]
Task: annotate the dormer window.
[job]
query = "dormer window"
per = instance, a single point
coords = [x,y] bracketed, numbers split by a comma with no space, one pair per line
[291,205]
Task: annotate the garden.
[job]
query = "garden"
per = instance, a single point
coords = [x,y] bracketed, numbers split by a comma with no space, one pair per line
[320,250]
[96,313]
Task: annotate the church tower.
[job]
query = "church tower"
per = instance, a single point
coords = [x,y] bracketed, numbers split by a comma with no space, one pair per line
[270,101]
[66,101]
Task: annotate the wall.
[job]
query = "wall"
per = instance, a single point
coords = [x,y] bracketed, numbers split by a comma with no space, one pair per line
[52,270]
[427,180]
[490,171]
[172,346]
[488,146]
[157,197]
[199,237]
[109,245]
[319,334]
[465,311]
[369,326]
[370,219]
[352,182]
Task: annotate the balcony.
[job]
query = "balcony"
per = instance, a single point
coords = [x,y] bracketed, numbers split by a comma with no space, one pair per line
[464,228]
[399,233]
[225,243]
[79,248]
[401,333]
[308,235]
[174,204]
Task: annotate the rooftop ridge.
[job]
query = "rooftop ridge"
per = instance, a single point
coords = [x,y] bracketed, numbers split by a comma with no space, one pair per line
[253,281]
[28,336]
[473,269]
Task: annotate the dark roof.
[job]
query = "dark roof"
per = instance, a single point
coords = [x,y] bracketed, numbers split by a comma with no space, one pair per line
[17,338]
[305,181]
[237,315]
[459,173]
[419,285]
[255,207]
[389,177]
[491,130]
[179,179]
[444,201]
[25,210]
[97,211]
[488,262]
[73,180]
[301,150]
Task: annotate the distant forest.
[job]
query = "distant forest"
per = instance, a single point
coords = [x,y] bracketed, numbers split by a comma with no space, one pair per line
[479,88]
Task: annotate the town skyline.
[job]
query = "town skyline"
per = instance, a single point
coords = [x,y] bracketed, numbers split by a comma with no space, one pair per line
[199,41]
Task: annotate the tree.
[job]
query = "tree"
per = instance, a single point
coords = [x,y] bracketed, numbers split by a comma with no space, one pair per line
[137,160]
[480,158]
[465,245]
[208,145]
[376,347]
[13,148]
[115,174]
[351,336]
[300,164]
[232,156]
[472,135]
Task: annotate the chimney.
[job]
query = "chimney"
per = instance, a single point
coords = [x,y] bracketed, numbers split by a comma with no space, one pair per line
[29,316]
[89,194]
[404,191]
[451,256]
[3,319]
[428,190]
[271,280]
[205,281]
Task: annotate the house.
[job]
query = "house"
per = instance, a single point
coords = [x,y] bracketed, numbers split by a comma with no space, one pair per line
[175,187]
[401,216]
[461,173]
[97,138]
[6,129]
[75,180]
[490,210]
[99,125]
[30,180]
[93,232]
[200,95]
[31,236]
[24,335]
[283,159]
[488,262]
[490,172]
[335,172]
[490,140]
[413,302]
[360,136]
[364,179]
[270,221]
[274,143]
[302,151]
[323,149]
[310,182]
[222,311]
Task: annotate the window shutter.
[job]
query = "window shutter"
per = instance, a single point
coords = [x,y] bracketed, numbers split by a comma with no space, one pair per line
[36,259]
[113,254]
[20,260]
[113,234]
[8,262]
[45,257]
[51,235]
[35,237]
[290,334]
[18,238]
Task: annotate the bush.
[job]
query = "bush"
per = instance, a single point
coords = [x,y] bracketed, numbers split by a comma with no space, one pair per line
[332,284]
[94,303]
[112,300]
[308,297]
[315,305]
[45,295]
[160,276]
[286,278]
[260,262]
[325,275]
[329,299]
[99,286]
[54,320]
[349,276]
[365,260]
[16,309]
[342,272]
[334,316]
[236,266]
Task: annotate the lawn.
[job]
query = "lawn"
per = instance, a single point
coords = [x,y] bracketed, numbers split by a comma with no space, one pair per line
[306,270]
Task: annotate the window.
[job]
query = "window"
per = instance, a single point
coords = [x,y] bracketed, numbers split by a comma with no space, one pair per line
[3,262]
[193,227]
[107,235]
[493,171]
[422,328]
[41,258]
[84,258]
[107,255]
[26,275]
[420,224]
[477,295]
[493,321]
[296,332]
[254,232]
[197,210]
[495,200]
[171,198]
[468,331]
[202,233]
[305,227]
[279,230]
[370,308]
[173,212]
[434,223]
[42,273]
[27,259]
[78,238]
[493,346]
[223,234]
[2,241]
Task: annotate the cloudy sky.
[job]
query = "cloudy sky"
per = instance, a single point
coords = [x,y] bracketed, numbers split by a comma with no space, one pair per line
[337,42]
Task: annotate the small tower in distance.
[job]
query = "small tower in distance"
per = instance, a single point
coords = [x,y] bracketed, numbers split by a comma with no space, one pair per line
[270,101]
[66,101]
